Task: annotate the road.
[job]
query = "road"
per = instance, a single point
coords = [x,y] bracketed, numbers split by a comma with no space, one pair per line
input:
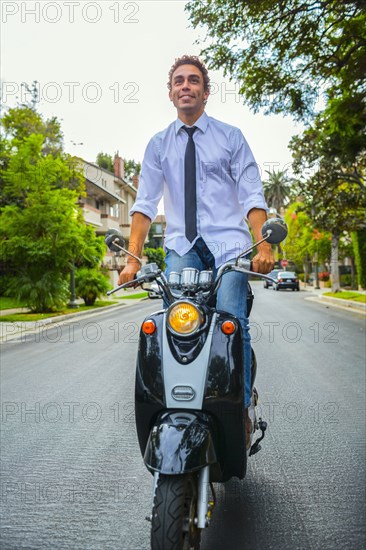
[72,474]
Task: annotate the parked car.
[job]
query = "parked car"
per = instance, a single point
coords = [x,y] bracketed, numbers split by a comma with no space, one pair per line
[286,279]
[273,274]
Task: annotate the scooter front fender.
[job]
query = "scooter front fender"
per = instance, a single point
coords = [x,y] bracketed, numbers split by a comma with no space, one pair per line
[180,442]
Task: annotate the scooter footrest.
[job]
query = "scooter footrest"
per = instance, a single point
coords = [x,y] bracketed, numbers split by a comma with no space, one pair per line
[256,447]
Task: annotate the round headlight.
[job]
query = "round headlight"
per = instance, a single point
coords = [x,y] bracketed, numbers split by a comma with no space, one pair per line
[184,318]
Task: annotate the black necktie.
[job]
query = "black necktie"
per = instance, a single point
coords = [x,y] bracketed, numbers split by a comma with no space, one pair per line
[190,201]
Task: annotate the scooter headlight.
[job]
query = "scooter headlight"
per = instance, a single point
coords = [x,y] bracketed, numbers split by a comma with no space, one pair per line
[184,318]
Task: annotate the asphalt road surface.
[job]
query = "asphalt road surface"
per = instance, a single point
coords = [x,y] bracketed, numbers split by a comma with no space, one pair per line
[72,474]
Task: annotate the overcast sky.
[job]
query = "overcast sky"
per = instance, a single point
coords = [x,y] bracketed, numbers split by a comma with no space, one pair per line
[102,70]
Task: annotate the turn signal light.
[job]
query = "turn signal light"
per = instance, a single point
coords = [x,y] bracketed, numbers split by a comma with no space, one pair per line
[228,327]
[148,327]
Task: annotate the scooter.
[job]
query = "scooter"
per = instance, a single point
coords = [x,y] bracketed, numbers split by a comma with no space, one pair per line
[189,394]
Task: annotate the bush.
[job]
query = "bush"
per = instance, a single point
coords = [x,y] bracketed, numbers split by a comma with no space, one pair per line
[90,284]
[156,255]
[324,276]
[346,280]
[44,292]
[4,282]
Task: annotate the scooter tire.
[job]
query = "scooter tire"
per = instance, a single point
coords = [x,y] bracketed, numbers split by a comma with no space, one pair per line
[174,511]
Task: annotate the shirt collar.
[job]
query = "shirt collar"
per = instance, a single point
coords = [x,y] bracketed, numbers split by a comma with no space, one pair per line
[201,123]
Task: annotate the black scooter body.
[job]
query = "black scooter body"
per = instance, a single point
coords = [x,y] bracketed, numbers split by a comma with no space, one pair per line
[182,439]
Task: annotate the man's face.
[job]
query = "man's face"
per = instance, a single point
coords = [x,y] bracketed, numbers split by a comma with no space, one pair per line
[187,91]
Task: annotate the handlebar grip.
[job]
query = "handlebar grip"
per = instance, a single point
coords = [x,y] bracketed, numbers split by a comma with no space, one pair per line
[246,263]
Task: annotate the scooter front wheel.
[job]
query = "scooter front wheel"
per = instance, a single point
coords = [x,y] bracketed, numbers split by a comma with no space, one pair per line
[173,525]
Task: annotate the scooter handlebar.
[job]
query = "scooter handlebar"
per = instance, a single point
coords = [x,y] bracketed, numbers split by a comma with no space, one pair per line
[254,273]
[242,265]
[125,285]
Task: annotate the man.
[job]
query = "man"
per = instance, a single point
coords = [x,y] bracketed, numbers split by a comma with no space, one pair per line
[207,174]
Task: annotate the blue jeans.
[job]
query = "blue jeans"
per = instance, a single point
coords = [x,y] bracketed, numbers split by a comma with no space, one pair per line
[231,296]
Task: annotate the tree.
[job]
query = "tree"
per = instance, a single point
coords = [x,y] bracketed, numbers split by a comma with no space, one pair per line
[42,231]
[22,121]
[131,167]
[105,161]
[277,189]
[359,247]
[336,138]
[31,151]
[40,242]
[28,169]
[305,242]
[333,151]
[334,193]
[283,53]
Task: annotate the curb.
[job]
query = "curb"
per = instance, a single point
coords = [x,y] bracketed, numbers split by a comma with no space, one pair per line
[348,305]
[345,303]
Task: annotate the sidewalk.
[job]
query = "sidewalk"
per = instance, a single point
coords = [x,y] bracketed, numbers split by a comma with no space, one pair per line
[317,295]
[16,330]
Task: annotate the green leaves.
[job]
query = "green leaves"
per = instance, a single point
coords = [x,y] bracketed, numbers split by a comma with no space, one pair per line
[42,230]
[277,189]
[329,158]
[105,161]
[131,167]
[304,240]
[90,284]
[283,53]
[156,255]
[306,59]
[21,122]
[41,291]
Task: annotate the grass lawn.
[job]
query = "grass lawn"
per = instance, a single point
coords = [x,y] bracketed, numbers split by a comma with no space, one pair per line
[133,296]
[10,303]
[24,317]
[347,295]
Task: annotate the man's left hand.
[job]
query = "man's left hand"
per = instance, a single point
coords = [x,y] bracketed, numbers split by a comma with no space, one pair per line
[263,262]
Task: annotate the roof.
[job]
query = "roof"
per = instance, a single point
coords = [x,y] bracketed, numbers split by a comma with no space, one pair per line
[121,181]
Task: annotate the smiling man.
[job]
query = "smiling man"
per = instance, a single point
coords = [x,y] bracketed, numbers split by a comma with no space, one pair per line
[188,90]
[210,181]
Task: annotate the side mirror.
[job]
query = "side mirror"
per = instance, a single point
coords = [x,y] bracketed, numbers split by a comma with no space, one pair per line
[274,230]
[114,240]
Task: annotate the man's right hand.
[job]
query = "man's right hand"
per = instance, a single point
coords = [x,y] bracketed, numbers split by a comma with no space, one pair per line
[128,273]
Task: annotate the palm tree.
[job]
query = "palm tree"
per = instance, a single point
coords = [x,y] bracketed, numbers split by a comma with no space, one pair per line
[277,189]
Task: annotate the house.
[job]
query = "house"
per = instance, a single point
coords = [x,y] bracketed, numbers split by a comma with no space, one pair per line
[108,200]
[157,231]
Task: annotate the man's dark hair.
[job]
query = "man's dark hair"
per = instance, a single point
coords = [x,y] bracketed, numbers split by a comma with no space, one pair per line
[190,60]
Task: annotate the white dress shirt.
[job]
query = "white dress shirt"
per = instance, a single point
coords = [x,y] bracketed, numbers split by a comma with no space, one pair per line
[228,186]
